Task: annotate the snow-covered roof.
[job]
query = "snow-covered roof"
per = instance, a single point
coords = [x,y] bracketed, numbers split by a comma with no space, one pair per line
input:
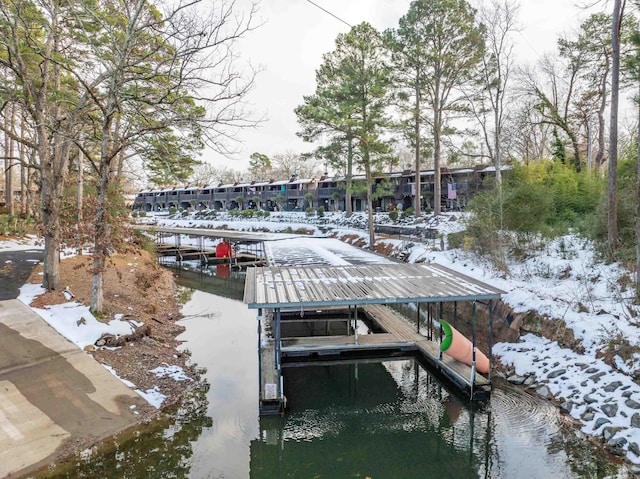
[318,286]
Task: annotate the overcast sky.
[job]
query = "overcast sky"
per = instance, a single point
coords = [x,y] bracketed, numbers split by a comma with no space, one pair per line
[295,34]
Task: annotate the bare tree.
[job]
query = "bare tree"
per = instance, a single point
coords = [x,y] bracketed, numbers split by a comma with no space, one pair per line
[289,163]
[554,95]
[526,137]
[159,83]
[500,23]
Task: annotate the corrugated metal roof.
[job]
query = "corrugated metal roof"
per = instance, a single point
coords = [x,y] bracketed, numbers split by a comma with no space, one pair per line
[322,286]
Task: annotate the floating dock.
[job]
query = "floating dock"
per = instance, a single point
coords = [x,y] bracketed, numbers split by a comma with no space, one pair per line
[346,293]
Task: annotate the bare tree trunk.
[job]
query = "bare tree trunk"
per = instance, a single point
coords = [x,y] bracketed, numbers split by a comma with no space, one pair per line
[24,184]
[497,162]
[347,197]
[612,220]
[101,241]
[418,198]
[79,205]
[576,150]
[50,207]
[601,127]
[638,206]
[436,161]
[8,164]
[372,235]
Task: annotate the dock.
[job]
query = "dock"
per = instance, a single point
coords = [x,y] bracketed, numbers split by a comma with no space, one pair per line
[348,293]
[199,244]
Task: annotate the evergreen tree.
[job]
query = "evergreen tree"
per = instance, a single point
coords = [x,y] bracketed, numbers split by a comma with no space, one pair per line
[350,102]
[444,46]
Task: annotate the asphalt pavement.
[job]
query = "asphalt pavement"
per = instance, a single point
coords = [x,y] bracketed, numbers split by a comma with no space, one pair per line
[15,268]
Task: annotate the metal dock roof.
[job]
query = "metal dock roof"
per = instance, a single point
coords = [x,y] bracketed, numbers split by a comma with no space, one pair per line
[231,235]
[323,286]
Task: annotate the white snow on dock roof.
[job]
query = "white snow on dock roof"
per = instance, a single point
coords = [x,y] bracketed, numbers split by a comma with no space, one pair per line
[316,286]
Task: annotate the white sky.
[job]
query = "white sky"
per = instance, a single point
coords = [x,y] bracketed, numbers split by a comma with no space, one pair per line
[295,35]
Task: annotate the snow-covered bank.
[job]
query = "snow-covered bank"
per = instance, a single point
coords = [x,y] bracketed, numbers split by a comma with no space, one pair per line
[74,320]
[562,281]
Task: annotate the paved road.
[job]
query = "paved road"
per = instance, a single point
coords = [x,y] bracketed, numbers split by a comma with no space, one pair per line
[51,392]
[15,268]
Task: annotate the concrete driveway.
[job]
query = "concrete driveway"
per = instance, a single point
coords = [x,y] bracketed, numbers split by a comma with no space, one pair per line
[52,394]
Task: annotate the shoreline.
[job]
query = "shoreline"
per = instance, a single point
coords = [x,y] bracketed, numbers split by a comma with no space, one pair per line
[137,292]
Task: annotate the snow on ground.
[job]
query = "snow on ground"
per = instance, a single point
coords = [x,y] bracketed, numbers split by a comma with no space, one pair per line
[74,320]
[20,244]
[563,280]
[173,371]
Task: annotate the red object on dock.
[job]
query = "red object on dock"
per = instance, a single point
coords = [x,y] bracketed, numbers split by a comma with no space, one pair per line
[224,250]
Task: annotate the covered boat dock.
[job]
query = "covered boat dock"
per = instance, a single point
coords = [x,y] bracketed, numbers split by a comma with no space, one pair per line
[204,245]
[344,293]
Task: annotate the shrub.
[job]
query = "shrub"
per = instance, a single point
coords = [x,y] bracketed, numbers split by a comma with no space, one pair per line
[393,215]
[408,212]
[310,211]
[456,240]
[320,211]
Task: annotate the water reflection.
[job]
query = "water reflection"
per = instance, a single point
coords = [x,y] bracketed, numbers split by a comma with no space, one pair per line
[358,420]
[161,449]
[377,419]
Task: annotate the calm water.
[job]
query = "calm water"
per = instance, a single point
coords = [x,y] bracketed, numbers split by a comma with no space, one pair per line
[376,419]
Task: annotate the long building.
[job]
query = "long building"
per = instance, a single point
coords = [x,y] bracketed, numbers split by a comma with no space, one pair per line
[457,187]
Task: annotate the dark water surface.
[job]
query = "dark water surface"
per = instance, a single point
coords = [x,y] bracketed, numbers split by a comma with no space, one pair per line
[375,419]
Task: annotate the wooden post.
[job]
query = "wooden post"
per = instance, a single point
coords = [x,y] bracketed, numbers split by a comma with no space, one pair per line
[355,323]
[259,354]
[278,356]
[491,307]
[473,343]
[418,320]
[455,313]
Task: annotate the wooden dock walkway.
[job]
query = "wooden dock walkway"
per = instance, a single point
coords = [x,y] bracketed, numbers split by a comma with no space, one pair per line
[398,339]
[393,322]
[340,291]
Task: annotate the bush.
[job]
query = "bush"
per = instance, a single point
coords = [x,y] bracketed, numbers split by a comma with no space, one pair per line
[172,210]
[456,240]
[320,211]
[310,211]
[408,212]
[393,215]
